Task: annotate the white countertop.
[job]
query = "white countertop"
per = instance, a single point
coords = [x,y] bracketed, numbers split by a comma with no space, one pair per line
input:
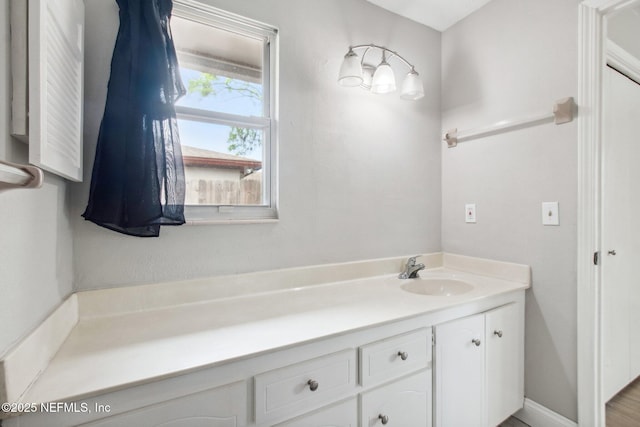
[113,351]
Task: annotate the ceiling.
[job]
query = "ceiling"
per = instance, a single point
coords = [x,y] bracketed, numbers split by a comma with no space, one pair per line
[623,29]
[437,14]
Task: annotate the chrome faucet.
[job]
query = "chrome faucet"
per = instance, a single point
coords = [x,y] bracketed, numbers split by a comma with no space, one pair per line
[411,269]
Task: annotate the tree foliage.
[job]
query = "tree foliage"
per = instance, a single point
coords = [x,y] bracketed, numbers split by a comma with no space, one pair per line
[241,141]
[210,84]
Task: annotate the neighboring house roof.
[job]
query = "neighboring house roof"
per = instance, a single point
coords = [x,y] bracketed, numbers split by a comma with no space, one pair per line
[206,158]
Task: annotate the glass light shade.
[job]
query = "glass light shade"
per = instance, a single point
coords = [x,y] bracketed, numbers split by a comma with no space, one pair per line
[350,70]
[367,76]
[383,79]
[412,86]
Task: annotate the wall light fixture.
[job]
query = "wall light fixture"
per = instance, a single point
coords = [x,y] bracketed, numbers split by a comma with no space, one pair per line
[354,71]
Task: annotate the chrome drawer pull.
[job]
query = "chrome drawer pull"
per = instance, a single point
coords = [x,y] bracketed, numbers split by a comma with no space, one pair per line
[383,418]
[403,355]
[498,333]
[313,385]
[476,342]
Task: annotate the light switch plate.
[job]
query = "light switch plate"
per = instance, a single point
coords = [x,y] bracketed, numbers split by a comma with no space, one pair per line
[550,213]
[470,213]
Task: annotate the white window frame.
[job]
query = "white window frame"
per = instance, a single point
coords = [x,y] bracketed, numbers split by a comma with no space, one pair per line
[268,211]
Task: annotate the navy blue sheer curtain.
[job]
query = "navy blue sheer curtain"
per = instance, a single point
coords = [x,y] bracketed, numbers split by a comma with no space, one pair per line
[137,183]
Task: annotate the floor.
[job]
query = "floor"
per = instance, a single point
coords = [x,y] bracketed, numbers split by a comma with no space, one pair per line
[513,422]
[624,409]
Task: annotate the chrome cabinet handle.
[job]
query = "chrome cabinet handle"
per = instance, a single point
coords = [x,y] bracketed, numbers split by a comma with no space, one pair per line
[476,341]
[313,385]
[383,418]
[498,333]
[403,355]
[613,252]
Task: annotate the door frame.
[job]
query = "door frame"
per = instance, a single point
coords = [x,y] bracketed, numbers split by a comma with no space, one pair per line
[591,62]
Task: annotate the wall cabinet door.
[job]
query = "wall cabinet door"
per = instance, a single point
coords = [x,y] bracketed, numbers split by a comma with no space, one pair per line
[402,403]
[504,362]
[56,72]
[459,371]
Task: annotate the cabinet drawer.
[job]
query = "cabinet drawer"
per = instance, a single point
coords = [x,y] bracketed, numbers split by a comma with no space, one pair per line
[343,414]
[402,403]
[305,386]
[396,356]
[224,406]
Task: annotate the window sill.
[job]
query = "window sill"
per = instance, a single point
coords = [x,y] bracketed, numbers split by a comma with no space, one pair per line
[230,221]
[210,215]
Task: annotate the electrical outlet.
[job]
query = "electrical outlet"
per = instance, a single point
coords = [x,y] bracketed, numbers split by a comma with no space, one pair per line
[470,213]
[550,213]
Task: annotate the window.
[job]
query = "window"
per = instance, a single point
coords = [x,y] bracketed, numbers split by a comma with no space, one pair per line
[226,120]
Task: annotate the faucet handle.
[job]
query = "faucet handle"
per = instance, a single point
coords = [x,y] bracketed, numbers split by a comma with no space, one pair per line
[412,260]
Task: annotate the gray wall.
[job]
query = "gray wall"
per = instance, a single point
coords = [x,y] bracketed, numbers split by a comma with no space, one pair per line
[359,173]
[511,59]
[35,233]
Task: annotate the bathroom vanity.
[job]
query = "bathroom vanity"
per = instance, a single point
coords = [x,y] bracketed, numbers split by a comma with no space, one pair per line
[340,345]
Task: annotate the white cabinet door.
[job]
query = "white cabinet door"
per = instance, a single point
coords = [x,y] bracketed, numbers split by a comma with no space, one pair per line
[403,403]
[343,414]
[224,406]
[459,370]
[504,362]
[479,366]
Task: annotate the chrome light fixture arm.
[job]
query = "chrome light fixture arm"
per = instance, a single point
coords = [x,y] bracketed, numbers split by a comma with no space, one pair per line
[393,53]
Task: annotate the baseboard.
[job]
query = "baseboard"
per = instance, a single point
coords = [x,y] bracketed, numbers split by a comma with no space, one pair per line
[537,415]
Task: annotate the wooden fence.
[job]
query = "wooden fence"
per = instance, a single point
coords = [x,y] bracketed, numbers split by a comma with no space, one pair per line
[224,192]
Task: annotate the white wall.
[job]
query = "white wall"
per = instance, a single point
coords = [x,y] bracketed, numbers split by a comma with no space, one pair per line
[359,173]
[35,233]
[508,60]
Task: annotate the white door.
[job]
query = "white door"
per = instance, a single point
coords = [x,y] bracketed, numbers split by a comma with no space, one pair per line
[620,233]
[459,371]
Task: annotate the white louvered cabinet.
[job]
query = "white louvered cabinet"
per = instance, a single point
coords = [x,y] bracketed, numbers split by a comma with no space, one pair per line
[47,112]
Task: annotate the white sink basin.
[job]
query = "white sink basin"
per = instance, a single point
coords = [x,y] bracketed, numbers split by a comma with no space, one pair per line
[436,286]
